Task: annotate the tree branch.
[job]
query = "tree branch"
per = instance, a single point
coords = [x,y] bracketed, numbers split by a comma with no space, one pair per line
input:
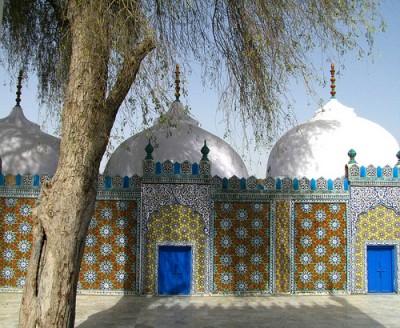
[128,74]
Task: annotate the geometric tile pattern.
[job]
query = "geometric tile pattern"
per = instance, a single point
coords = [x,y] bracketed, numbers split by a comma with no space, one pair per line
[109,259]
[196,196]
[282,247]
[320,247]
[312,243]
[363,198]
[176,224]
[379,224]
[16,240]
[241,247]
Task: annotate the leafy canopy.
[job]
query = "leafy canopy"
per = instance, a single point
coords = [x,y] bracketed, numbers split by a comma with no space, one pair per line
[248,50]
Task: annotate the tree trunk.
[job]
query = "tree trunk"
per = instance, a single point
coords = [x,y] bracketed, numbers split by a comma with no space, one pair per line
[66,204]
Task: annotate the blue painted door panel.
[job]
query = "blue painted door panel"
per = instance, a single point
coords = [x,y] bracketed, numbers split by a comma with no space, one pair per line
[380,268]
[174,270]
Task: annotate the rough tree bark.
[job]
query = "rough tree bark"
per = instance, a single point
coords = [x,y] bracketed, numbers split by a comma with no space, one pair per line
[66,203]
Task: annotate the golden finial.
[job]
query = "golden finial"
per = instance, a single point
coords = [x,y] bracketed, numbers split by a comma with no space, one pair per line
[177,82]
[333,85]
[19,87]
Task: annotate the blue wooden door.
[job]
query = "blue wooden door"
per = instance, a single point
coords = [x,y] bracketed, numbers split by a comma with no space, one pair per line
[174,270]
[380,268]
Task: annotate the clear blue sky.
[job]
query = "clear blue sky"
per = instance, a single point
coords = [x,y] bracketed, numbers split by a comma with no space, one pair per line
[372,88]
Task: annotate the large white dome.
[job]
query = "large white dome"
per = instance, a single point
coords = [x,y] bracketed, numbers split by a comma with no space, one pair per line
[176,138]
[24,148]
[318,147]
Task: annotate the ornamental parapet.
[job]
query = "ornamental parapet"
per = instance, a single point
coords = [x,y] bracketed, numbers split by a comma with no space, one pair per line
[200,172]
[169,168]
[286,184]
[25,180]
[371,173]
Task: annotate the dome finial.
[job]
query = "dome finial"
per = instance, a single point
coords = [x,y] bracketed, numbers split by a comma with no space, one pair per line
[333,79]
[177,82]
[205,150]
[19,87]
[149,149]
[352,154]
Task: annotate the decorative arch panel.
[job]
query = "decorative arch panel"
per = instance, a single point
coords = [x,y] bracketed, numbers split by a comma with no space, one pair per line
[378,227]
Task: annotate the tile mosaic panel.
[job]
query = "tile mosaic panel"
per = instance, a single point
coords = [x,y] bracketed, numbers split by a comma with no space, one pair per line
[16,240]
[176,224]
[362,199]
[241,247]
[109,260]
[282,247]
[195,196]
[379,225]
[320,247]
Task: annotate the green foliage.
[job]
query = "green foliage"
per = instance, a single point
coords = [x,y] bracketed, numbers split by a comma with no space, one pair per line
[248,50]
[35,38]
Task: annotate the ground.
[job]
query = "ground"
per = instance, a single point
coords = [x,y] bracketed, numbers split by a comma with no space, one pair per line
[225,311]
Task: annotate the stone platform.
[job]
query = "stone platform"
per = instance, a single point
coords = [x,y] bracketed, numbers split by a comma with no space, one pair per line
[225,311]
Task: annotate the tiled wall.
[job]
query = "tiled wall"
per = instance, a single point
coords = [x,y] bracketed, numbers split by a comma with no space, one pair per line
[240,252]
[379,224]
[16,240]
[109,260]
[175,225]
[320,247]
[282,248]
[242,247]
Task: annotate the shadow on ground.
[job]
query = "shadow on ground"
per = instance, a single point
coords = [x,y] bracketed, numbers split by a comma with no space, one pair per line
[267,311]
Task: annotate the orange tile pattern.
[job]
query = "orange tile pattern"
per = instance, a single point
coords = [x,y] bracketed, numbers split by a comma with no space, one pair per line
[282,248]
[320,247]
[16,240]
[242,246]
[378,224]
[172,225]
[109,260]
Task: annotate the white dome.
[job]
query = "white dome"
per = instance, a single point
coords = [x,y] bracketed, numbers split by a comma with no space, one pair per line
[177,138]
[24,148]
[319,147]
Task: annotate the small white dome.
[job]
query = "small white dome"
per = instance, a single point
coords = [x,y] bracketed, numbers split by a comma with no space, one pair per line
[177,138]
[319,147]
[24,148]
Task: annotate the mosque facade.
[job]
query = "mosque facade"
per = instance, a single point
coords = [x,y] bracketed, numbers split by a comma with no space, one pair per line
[186,218]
